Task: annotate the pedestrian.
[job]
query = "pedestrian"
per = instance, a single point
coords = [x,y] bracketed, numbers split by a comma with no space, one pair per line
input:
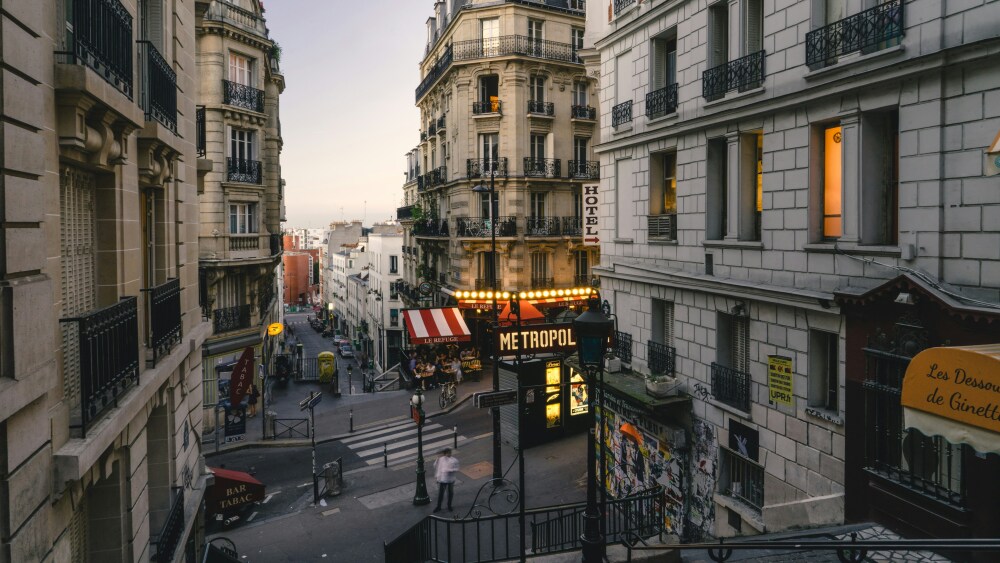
[254,395]
[456,367]
[445,468]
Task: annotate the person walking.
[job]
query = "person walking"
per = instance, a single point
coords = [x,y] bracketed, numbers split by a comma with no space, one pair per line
[254,395]
[445,468]
[456,368]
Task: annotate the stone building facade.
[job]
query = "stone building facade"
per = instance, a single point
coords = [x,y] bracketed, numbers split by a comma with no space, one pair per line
[772,174]
[101,457]
[332,280]
[385,261]
[239,185]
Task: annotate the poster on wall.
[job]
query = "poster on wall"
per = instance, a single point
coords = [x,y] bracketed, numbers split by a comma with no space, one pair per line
[236,424]
[579,398]
[553,395]
[744,440]
[780,380]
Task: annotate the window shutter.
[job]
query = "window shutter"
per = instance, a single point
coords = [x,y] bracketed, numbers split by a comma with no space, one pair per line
[668,323]
[719,34]
[78,261]
[79,544]
[659,63]
[754,26]
[741,343]
[154,24]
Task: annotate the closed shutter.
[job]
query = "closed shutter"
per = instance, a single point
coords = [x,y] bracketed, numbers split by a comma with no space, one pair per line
[623,78]
[78,262]
[153,28]
[79,545]
[668,323]
[659,63]
[719,38]
[754,26]
[740,352]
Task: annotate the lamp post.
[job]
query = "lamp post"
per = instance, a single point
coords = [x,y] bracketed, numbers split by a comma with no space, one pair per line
[491,189]
[592,329]
[416,408]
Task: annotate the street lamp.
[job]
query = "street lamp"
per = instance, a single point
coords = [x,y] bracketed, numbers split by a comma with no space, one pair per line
[592,329]
[491,189]
[416,408]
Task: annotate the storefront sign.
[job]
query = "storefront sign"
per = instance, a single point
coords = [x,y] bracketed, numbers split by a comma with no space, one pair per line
[239,384]
[553,394]
[537,339]
[590,214]
[490,399]
[957,383]
[780,380]
[744,440]
[236,423]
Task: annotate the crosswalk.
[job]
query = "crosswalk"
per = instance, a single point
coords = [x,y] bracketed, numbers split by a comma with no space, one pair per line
[398,442]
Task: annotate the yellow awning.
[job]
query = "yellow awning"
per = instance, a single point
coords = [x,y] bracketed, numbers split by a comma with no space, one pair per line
[954,392]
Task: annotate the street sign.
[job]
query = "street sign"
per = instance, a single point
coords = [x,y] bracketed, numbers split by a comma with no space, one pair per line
[311,401]
[274,329]
[490,399]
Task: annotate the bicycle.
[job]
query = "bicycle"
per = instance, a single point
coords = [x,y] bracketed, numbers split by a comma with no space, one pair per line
[448,394]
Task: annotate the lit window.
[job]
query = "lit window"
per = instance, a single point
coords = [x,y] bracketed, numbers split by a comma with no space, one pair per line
[832,183]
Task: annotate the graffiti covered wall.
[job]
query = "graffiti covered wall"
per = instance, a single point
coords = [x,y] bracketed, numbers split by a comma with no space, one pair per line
[704,456]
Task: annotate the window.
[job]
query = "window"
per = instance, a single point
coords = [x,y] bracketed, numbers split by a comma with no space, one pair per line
[576,41]
[393,264]
[580,149]
[487,267]
[718,34]
[733,341]
[741,478]
[663,195]
[716,223]
[664,71]
[832,183]
[880,178]
[758,186]
[489,93]
[151,22]
[824,362]
[241,144]
[536,89]
[623,78]
[240,69]
[535,38]
[623,198]
[393,317]
[663,322]
[537,205]
[490,34]
[537,147]
[484,205]
[753,24]
[539,268]
[580,93]
[582,267]
[242,218]
[489,147]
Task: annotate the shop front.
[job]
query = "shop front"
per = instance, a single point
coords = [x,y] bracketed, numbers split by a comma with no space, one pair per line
[437,340]
[555,400]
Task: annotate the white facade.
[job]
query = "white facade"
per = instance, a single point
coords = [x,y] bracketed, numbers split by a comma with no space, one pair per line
[385,268]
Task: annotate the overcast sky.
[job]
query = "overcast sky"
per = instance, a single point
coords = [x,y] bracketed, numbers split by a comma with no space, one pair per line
[347,115]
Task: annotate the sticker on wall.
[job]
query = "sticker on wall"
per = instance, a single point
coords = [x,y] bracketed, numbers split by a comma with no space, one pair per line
[780,380]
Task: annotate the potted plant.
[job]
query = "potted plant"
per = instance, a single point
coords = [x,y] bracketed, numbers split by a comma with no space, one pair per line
[662,385]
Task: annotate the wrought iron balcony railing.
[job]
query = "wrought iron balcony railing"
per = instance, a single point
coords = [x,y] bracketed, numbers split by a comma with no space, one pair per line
[583,112]
[572,226]
[423,136]
[620,5]
[622,344]
[438,176]
[486,284]
[621,113]
[242,96]
[106,342]
[172,529]
[102,39]
[431,228]
[480,228]
[277,243]
[484,167]
[420,184]
[873,29]
[541,108]
[487,107]
[585,169]
[164,322]
[436,71]
[661,102]
[731,386]
[404,214]
[662,358]
[582,280]
[432,129]
[542,167]
[231,318]
[745,479]
[542,227]
[742,74]
[663,226]
[509,45]
[542,283]
[265,297]
[199,116]
[243,170]
[158,86]
[441,124]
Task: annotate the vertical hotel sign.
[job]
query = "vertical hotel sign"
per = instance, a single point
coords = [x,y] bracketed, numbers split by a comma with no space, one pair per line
[590,211]
[779,380]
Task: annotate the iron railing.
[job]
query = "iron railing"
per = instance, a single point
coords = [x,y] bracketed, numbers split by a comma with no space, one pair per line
[420,184]
[242,96]
[244,242]
[108,343]
[582,280]
[199,117]
[438,176]
[404,213]
[620,5]
[480,228]
[543,283]
[231,318]
[277,244]
[661,102]
[102,39]
[172,529]
[543,108]
[742,74]
[476,167]
[243,170]
[662,358]
[431,228]
[488,106]
[164,323]
[623,346]
[432,129]
[621,113]
[265,296]
[873,29]
[441,124]
[731,386]
[484,284]
[507,45]
[436,71]
[583,112]
[158,86]
[572,226]
[663,226]
[584,169]
[542,167]
[541,226]
[742,479]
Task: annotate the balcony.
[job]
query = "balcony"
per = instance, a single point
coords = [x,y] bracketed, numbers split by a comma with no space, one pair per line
[441,125]
[585,169]
[102,348]
[542,283]
[582,280]
[542,167]
[742,74]
[513,45]
[868,31]
[404,214]
[486,284]
[164,322]
[432,129]
[158,89]
[277,243]
[242,96]
[199,118]
[243,170]
[478,167]
[572,226]
[172,529]
[542,227]
[731,387]
[583,112]
[622,345]
[431,228]
[234,15]
[621,113]
[621,5]
[102,39]
[661,102]
[662,358]
[470,227]
[266,296]
[488,107]
[438,176]
[536,107]
[231,318]
[663,226]
[423,136]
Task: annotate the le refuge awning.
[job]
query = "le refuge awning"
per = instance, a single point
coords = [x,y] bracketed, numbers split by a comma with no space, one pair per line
[436,326]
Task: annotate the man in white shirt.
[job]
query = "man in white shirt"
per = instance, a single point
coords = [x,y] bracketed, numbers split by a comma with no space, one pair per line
[445,468]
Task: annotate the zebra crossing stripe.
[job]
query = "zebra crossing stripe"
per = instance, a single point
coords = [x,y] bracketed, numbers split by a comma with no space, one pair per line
[411,453]
[408,433]
[410,442]
[385,430]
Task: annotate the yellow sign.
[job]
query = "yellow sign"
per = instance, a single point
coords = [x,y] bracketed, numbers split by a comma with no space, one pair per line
[957,383]
[553,394]
[275,329]
[780,380]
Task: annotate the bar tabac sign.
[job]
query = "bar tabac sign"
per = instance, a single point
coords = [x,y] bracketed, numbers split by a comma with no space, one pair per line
[536,339]
[957,383]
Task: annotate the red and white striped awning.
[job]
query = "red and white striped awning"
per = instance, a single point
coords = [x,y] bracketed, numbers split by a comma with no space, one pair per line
[436,326]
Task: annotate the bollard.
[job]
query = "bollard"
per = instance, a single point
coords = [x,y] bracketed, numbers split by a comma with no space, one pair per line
[456,437]
[385,454]
[352,420]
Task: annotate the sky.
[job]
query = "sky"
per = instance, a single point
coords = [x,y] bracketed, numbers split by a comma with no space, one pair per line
[348,116]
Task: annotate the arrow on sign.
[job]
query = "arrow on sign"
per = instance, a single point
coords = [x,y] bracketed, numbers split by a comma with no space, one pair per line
[594,240]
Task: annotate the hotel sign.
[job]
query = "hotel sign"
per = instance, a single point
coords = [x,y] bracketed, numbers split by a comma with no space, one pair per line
[590,214]
[536,339]
[956,383]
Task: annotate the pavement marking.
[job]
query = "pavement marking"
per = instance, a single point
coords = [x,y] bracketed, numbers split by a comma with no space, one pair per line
[410,442]
[330,512]
[252,516]
[386,430]
[481,436]
[267,499]
[305,485]
[413,451]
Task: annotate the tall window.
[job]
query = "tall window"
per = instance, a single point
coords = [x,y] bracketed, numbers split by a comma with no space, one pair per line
[663,322]
[824,383]
[489,92]
[880,177]
[733,342]
[151,22]
[577,204]
[758,187]
[580,93]
[580,150]
[623,198]
[576,41]
[490,34]
[623,78]
[535,37]
[489,147]
[537,205]
[753,23]
[663,191]
[582,267]
[664,61]
[242,218]
[393,264]
[537,147]
[718,34]
[487,266]
[833,187]
[240,69]
[241,144]
[539,267]
[536,89]
[484,205]
[716,222]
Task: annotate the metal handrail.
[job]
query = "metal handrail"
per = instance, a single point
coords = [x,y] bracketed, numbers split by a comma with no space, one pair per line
[872,28]
[242,96]
[102,40]
[200,131]
[731,386]
[585,169]
[542,108]
[476,167]
[542,167]
[172,529]
[662,358]
[583,112]
[243,170]
[164,322]
[661,102]
[742,74]
[621,113]
[158,95]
